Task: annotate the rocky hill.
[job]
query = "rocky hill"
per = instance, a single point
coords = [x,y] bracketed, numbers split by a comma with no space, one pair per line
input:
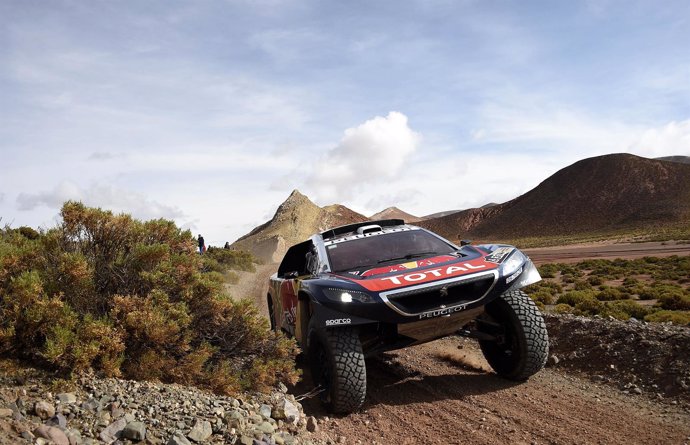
[394,213]
[295,220]
[604,193]
[681,159]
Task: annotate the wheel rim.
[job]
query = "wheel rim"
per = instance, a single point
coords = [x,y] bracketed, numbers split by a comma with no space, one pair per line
[508,348]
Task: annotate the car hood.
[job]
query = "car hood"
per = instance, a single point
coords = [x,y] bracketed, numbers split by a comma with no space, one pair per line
[421,271]
[409,265]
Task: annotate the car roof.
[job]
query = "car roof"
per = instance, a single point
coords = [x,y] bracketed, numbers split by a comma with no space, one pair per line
[352,228]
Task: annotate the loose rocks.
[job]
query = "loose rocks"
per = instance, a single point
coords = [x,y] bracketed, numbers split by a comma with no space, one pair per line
[135,431]
[113,431]
[44,410]
[118,411]
[200,431]
[52,433]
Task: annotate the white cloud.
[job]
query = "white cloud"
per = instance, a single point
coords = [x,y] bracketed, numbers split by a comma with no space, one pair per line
[99,195]
[104,156]
[672,139]
[368,154]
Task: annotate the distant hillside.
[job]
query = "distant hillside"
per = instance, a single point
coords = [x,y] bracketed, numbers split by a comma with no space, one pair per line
[394,213]
[681,159]
[611,192]
[295,220]
[440,214]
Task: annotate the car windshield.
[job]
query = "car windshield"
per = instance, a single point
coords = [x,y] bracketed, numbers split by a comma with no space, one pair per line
[384,249]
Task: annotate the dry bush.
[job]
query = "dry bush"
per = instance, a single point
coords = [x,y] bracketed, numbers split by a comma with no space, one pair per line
[124,297]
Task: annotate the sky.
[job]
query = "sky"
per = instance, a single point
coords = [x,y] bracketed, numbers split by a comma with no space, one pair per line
[211,112]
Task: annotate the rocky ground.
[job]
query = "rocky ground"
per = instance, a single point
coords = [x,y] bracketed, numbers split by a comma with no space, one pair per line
[636,357]
[97,411]
[607,381]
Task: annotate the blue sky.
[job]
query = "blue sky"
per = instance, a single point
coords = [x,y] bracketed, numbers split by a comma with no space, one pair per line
[211,112]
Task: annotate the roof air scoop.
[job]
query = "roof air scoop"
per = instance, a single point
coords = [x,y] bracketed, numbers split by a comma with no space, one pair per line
[369,229]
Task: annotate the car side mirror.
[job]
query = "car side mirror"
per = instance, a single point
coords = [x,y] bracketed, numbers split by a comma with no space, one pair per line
[465,242]
[291,275]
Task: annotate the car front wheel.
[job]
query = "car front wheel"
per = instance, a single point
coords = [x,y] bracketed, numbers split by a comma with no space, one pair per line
[522,346]
[338,368]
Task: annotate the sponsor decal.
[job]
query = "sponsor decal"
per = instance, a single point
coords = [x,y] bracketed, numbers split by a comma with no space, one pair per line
[498,255]
[514,276]
[410,265]
[402,279]
[338,321]
[290,315]
[440,272]
[442,311]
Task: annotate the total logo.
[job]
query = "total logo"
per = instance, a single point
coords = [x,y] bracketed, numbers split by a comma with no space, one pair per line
[421,276]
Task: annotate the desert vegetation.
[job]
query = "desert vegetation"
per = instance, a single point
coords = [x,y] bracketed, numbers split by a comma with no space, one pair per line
[123,297]
[650,289]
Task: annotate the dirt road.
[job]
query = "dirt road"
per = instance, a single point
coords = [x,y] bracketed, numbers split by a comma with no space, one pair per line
[439,394]
[573,254]
[443,392]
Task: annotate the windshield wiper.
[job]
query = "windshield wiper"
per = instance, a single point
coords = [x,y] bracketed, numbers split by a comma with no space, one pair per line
[407,257]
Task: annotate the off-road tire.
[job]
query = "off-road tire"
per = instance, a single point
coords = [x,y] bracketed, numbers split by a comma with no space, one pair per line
[525,344]
[337,366]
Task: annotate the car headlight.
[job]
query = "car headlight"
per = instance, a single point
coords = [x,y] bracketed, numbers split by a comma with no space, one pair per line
[347,296]
[514,262]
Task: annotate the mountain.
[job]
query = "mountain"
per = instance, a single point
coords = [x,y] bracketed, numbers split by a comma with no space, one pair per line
[681,159]
[394,213]
[604,193]
[295,220]
[440,214]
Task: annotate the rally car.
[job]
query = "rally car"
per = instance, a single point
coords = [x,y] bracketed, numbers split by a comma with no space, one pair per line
[371,287]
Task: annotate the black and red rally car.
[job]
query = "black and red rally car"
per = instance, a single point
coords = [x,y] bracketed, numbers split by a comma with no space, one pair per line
[365,288]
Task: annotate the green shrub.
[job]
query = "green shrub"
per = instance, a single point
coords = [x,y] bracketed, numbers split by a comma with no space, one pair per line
[572,298]
[610,294]
[631,282]
[233,259]
[669,296]
[676,317]
[548,270]
[588,306]
[571,270]
[133,299]
[542,296]
[29,233]
[595,281]
[624,309]
[563,309]
[582,285]
[674,301]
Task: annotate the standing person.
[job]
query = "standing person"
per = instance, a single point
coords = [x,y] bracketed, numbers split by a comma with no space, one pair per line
[202,245]
[227,245]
